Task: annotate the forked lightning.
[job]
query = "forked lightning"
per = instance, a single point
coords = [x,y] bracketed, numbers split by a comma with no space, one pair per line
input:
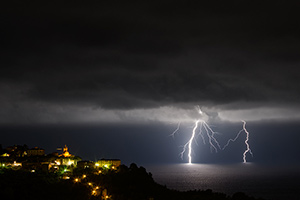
[205,130]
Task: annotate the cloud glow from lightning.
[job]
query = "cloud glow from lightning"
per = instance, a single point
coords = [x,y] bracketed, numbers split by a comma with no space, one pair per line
[205,129]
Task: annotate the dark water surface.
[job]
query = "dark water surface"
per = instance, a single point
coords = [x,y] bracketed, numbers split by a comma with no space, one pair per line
[268,182]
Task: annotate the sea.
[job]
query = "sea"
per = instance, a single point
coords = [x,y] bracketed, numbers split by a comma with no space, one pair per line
[264,181]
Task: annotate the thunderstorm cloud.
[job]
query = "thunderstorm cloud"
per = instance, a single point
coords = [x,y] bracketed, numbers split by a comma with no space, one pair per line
[149,61]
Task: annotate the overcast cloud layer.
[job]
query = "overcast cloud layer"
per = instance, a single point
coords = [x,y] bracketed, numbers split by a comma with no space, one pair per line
[106,61]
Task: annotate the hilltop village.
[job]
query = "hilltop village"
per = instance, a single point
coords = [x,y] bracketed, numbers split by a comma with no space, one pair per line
[32,159]
[28,173]
[65,165]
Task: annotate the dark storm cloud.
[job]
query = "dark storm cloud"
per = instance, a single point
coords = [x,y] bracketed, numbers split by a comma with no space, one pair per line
[77,72]
[124,56]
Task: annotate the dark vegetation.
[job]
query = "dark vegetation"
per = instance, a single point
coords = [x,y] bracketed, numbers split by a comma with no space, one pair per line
[128,183]
[19,184]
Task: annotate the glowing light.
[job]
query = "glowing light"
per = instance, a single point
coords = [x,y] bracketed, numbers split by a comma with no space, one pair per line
[33,171]
[97,188]
[83,176]
[106,166]
[66,152]
[97,165]
[90,184]
[76,179]
[17,164]
[99,171]
[94,192]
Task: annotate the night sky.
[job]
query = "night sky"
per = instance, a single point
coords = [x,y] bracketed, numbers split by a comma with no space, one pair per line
[113,79]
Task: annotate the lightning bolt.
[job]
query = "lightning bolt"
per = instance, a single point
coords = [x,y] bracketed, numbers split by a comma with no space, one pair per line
[191,140]
[205,131]
[248,150]
[209,132]
[204,127]
[176,130]
[246,142]
[211,137]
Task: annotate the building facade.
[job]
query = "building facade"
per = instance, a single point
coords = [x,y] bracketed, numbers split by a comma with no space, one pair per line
[36,151]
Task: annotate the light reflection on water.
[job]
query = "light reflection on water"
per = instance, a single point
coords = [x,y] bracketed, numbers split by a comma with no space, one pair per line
[255,180]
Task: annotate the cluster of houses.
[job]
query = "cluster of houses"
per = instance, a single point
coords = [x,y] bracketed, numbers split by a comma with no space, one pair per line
[21,157]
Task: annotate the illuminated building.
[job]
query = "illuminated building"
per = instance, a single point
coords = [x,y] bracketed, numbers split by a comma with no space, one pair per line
[36,151]
[14,165]
[65,153]
[63,161]
[108,163]
[67,159]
